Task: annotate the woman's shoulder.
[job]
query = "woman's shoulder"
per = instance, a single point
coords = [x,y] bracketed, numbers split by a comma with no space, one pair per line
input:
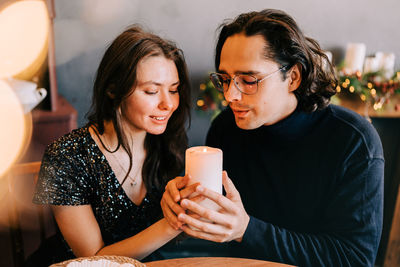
[63,177]
[71,142]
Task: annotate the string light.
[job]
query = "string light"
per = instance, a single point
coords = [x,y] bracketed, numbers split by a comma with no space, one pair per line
[338,89]
[351,89]
[373,91]
[200,102]
[377,106]
[363,97]
[202,87]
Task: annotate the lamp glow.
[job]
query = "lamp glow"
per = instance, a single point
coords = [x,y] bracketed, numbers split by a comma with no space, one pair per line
[24,27]
[12,122]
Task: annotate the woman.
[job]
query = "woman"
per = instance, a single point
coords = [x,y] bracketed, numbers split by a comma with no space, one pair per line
[104,181]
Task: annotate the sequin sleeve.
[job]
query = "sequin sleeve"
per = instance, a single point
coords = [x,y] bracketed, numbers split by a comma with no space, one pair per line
[62,179]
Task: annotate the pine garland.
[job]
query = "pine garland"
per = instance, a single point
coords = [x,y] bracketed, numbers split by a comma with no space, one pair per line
[371,87]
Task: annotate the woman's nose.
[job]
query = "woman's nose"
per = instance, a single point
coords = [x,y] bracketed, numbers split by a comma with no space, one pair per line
[166,102]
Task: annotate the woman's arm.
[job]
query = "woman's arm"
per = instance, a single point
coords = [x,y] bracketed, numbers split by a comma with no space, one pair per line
[80,229]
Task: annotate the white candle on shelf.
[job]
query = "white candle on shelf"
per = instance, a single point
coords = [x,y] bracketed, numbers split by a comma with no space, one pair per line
[387,64]
[371,64]
[354,58]
[204,165]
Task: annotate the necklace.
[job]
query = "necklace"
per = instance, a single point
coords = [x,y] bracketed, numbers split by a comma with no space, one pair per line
[132,181]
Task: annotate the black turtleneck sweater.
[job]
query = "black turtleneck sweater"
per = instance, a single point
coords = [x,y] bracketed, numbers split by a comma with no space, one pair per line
[311,183]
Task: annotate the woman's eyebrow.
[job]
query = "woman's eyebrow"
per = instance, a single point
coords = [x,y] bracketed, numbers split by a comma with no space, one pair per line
[157,83]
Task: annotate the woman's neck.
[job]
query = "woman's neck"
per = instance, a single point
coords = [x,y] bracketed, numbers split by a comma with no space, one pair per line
[135,139]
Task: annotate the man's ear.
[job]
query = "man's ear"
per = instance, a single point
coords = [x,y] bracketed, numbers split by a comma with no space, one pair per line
[110,91]
[294,77]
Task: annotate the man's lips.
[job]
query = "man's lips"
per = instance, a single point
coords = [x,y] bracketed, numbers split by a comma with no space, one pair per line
[240,112]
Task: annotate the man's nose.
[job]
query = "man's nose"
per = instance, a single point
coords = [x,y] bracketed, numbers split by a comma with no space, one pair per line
[232,94]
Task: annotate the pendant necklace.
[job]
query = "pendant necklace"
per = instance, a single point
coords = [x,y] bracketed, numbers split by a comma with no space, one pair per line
[132,180]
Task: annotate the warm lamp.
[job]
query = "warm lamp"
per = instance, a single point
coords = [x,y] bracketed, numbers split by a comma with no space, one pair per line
[24,30]
[12,121]
[24,33]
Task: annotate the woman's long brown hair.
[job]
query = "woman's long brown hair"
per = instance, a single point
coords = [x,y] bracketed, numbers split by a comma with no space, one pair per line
[116,80]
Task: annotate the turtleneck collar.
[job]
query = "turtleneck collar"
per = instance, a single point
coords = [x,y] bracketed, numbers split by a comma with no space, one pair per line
[294,126]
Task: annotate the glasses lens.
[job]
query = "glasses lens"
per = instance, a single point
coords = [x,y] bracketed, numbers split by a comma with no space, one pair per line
[246,83]
[218,81]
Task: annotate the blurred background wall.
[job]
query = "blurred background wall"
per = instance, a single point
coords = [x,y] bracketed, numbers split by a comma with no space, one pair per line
[84,28]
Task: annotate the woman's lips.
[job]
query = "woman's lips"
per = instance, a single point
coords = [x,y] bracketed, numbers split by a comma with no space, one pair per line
[159,119]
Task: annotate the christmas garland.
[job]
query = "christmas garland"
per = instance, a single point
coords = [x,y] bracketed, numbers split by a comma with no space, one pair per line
[371,87]
[210,101]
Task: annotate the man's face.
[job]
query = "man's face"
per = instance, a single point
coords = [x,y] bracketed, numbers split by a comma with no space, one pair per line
[274,99]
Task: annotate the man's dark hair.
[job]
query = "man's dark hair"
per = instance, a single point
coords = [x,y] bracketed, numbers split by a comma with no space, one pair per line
[287,45]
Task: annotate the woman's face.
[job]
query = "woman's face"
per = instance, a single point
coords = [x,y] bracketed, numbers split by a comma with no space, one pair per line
[155,96]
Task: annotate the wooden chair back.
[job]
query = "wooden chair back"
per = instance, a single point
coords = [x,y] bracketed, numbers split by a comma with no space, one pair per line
[25,174]
[392,257]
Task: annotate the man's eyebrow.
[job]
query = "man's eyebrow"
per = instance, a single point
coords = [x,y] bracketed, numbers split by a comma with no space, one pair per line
[248,72]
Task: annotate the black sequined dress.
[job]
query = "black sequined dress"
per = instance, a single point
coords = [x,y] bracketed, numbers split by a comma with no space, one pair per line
[75,172]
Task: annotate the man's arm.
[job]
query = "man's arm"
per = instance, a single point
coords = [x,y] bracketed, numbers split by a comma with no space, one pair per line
[351,227]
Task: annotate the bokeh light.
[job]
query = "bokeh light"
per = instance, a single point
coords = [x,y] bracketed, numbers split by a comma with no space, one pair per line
[25,26]
[13,130]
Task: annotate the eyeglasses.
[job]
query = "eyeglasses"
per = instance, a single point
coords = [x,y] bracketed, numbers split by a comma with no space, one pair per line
[245,83]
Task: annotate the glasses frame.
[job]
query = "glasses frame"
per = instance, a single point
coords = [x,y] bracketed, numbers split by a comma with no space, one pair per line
[222,90]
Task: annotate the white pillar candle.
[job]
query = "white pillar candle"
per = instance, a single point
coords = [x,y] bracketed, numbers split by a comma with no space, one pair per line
[204,165]
[387,64]
[371,64]
[354,59]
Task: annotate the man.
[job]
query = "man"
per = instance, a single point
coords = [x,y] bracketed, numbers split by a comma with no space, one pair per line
[309,175]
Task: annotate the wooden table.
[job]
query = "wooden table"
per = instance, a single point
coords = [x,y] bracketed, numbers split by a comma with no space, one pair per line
[213,261]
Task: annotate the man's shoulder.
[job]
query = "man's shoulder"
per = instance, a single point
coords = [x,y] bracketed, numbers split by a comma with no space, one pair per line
[355,125]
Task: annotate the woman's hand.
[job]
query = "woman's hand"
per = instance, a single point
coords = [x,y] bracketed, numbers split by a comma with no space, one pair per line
[175,191]
[224,225]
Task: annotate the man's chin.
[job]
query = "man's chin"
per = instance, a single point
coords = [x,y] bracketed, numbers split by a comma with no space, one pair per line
[245,124]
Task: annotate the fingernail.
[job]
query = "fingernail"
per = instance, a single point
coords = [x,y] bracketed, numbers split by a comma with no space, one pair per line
[199,188]
[184,202]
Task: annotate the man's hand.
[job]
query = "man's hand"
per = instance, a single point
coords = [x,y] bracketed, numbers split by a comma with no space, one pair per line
[224,225]
[172,196]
